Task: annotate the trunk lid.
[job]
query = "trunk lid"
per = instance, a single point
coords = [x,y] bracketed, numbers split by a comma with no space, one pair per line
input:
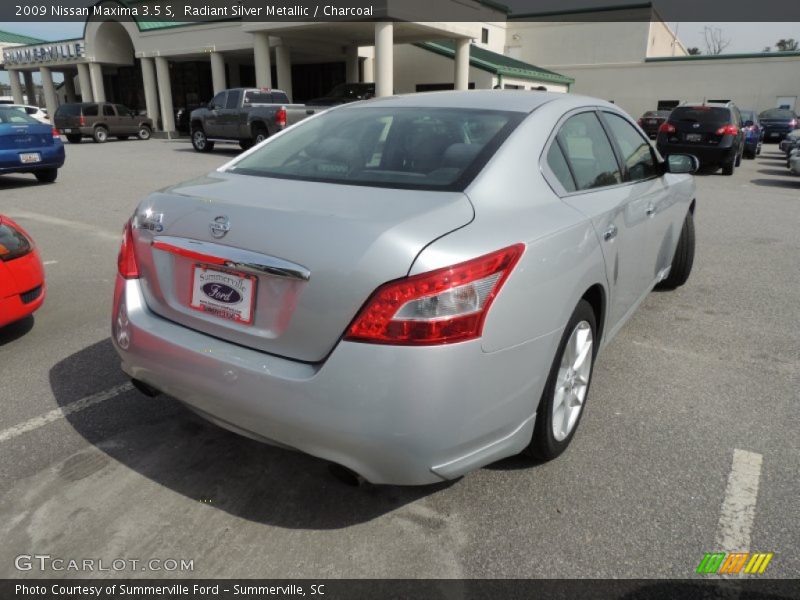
[350,239]
[25,136]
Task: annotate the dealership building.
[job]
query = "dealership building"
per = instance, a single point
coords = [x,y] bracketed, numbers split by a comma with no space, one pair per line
[629,56]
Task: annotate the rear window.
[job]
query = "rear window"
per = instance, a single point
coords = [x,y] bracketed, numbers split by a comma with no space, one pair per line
[414,148]
[90,110]
[776,113]
[256,97]
[69,110]
[701,114]
[15,116]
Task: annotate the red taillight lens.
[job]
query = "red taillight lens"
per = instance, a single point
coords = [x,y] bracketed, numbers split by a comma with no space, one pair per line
[666,128]
[727,130]
[13,241]
[443,306]
[126,261]
[56,133]
[82,121]
[280,117]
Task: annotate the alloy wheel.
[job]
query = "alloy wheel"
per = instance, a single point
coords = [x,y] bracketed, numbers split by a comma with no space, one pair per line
[572,381]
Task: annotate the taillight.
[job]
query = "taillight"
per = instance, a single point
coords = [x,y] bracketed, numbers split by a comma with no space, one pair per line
[727,130]
[280,117]
[126,260]
[443,306]
[56,133]
[82,121]
[13,242]
[666,128]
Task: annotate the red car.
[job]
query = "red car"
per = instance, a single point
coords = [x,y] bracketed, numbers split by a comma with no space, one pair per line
[22,285]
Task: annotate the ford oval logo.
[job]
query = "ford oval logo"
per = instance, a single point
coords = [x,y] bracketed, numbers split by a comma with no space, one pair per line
[222,293]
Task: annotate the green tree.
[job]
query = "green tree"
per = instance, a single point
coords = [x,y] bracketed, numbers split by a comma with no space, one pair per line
[787,45]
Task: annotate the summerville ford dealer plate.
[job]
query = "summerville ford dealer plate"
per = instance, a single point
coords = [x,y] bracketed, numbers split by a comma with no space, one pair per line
[225,294]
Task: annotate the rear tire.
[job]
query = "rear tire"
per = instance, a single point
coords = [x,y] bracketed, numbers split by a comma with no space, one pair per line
[100,135]
[567,388]
[684,257]
[727,169]
[259,134]
[74,139]
[46,175]
[739,159]
[200,141]
[245,144]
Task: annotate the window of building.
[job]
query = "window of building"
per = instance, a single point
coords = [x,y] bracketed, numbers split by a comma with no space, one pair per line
[484,35]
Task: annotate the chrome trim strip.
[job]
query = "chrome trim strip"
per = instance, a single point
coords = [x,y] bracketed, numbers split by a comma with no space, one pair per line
[242,260]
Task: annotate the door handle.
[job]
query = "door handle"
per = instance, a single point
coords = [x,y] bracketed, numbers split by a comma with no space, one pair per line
[610,233]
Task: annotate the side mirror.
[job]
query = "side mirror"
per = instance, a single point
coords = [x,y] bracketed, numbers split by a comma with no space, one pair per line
[682,163]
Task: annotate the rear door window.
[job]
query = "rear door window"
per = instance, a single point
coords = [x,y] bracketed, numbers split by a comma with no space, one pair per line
[589,152]
[558,165]
[636,151]
[233,99]
[108,111]
[90,111]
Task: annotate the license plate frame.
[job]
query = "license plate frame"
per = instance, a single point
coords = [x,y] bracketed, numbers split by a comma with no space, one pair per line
[66,131]
[241,311]
[694,137]
[30,158]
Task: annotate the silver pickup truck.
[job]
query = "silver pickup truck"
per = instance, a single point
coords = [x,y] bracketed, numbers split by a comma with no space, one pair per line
[244,115]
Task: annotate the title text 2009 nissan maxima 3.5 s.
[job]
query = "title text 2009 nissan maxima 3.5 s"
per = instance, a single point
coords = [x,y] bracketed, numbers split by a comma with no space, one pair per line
[410,287]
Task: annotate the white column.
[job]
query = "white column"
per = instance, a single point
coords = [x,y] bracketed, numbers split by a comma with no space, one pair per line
[69,86]
[262,60]
[284,63]
[98,87]
[50,100]
[218,72]
[165,94]
[351,66]
[369,70]
[384,59]
[30,89]
[234,76]
[150,89]
[461,75]
[85,83]
[16,86]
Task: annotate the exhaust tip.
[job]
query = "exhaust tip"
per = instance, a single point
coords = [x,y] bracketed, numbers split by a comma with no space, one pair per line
[147,390]
[346,476]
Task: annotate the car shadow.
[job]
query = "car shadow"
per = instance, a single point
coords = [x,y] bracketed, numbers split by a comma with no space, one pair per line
[779,172]
[232,151]
[778,183]
[165,442]
[16,330]
[18,181]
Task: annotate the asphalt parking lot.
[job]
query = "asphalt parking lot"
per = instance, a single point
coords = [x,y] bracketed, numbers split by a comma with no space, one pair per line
[90,468]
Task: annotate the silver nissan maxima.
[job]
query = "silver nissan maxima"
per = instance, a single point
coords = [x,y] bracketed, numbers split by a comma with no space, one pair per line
[410,287]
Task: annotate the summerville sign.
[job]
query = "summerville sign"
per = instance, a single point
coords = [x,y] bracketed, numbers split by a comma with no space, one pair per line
[44,53]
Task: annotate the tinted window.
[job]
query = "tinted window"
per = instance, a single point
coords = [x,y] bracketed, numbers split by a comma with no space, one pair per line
[589,152]
[280,98]
[69,110]
[108,110]
[233,99]
[90,110]
[701,114]
[122,111]
[425,148]
[558,165]
[256,97]
[14,115]
[219,100]
[31,110]
[636,153]
[776,113]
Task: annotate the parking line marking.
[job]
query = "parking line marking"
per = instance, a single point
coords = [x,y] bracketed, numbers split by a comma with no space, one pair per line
[50,262]
[64,411]
[58,221]
[739,506]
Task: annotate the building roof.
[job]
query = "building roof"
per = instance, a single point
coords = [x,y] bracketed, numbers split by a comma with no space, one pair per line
[696,57]
[497,64]
[8,37]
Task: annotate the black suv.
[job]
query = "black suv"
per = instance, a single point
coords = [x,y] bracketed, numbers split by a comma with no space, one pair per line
[711,131]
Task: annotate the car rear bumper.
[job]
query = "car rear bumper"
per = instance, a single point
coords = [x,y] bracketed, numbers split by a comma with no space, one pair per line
[52,158]
[707,155]
[395,415]
[22,288]
[776,134]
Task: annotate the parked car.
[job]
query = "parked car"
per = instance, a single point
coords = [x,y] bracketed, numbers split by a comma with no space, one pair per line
[753,133]
[395,287]
[789,142]
[100,121]
[22,287]
[183,121]
[777,122]
[652,120]
[345,93]
[40,114]
[710,131]
[244,115]
[794,164]
[28,146]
